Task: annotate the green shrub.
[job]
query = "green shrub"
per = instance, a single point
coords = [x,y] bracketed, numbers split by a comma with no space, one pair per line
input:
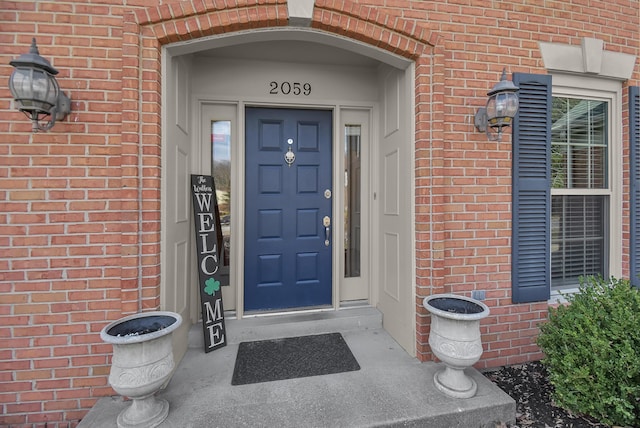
[592,351]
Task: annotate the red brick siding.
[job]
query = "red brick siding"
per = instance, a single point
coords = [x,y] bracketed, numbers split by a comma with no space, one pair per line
[73,256]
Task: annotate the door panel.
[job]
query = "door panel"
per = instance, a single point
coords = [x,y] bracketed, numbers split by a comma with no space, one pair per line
[396,297]
[175,286]
[287,253]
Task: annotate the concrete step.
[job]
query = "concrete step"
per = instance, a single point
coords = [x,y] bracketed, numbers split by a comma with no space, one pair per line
[391,389]
[265,327]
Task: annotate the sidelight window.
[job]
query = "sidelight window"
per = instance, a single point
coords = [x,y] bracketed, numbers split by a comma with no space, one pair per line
[352,197]
[221,172]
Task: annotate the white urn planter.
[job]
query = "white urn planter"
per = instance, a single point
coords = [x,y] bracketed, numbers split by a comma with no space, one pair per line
[455,339]
[142,363]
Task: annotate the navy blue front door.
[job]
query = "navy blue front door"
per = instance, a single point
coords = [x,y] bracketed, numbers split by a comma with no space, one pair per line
[287,246]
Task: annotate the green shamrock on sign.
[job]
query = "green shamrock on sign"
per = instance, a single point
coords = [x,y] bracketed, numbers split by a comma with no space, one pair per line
[211,286]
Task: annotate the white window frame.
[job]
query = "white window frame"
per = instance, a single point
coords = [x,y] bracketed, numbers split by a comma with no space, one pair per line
[610,91]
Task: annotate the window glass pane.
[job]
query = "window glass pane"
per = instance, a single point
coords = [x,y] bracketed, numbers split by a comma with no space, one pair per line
[558,166]
[221,171]
[579,158]
[579,167]
[598,159]
[578,238]
[352,190]
[579,144]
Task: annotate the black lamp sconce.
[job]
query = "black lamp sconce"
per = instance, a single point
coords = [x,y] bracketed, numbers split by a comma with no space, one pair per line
[36,90]
[500,110]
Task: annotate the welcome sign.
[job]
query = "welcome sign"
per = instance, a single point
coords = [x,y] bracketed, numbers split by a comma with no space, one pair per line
[207,228]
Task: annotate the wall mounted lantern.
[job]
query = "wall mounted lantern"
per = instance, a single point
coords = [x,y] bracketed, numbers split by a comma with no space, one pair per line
[36,90]
[501,108]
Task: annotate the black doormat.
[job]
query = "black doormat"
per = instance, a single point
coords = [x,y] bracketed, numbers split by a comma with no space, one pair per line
[293,357]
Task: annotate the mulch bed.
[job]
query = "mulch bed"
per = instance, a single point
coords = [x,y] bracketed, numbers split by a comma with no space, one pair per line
[529,386]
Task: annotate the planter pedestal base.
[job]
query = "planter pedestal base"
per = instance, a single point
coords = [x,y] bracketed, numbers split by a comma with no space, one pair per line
[454,383]
[147,412]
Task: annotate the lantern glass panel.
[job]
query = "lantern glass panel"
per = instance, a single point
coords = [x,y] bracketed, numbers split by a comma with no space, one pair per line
[491,108]
[506,104]
[20,84]
[511,104]
[34,89]
[501,105]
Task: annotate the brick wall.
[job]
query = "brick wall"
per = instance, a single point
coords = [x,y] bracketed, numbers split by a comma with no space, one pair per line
[61,225]
[74,255]
[472,189]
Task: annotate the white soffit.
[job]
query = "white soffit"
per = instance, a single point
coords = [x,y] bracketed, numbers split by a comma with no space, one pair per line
[287,33]
[588,58]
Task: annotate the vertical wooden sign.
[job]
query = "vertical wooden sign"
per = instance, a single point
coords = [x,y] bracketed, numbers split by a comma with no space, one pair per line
[207,226]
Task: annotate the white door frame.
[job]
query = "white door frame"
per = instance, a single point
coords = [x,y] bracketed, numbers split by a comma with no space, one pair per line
[201,149]
[237,103]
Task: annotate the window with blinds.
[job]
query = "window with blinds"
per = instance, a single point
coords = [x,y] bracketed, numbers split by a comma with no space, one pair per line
[579,190]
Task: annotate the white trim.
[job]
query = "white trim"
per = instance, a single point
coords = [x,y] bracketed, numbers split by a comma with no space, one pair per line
[225,110]
[560,296]
[411,119]
[354,94]
[166,64]
[201,158]
[588,58]
[355,285]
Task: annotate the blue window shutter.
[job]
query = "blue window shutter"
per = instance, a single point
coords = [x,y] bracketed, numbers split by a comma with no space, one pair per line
[531,240]
[634,146]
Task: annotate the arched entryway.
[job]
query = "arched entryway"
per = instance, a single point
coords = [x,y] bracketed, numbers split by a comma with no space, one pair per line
[212,80]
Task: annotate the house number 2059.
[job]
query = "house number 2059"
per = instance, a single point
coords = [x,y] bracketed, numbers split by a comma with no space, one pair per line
[289,88]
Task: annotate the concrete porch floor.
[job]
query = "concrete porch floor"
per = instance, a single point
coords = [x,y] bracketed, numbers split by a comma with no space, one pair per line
[391,389]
